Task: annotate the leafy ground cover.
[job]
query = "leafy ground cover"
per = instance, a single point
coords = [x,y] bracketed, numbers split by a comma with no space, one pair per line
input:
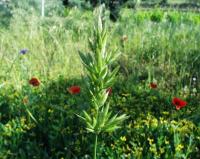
[159,61]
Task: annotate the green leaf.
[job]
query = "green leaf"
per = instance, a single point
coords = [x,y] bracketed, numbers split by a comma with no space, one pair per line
[111,129]
[114,72]
[90,130]
[87,117]
[30,114]
[89,125]
[104,114]
[113,58]
[94,122]
[103,73]
[84,58]
[109,80]
[80,117]
[91,45]
[114,122]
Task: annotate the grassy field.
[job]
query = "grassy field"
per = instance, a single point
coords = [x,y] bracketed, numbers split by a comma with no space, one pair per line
[157,47]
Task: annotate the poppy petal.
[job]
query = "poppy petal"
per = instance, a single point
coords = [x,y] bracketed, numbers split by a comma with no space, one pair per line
[34,82]
[178,103]
[74,90]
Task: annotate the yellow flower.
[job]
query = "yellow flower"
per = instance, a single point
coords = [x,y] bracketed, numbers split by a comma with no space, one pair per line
[128,148]
[140,149]
[129,125]
[153,149]
[162,120]
[50,111]
[112,146]
[127,155]
[165,113]
[154,122]
[179,147]
[123,138]
[173,122]
[150,141]
[166,142]
[162,150]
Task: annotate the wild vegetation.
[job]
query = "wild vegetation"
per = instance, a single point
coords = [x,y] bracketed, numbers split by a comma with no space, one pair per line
[44,84]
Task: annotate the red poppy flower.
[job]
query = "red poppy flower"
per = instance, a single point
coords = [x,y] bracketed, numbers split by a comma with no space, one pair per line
[109,91]
[74,90]
[153,85]
[34,82]
[179,103]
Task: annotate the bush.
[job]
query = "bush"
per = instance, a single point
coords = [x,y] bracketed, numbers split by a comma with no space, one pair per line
[157,16]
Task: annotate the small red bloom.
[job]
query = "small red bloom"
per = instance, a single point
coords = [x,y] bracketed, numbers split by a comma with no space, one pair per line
[153,85]
[109,91]
[34,82]
[179,103]
[74,90]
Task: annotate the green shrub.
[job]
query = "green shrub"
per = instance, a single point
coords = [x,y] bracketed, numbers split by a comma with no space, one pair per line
[157,16]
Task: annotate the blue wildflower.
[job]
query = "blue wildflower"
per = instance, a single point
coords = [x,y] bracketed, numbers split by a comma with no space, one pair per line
[23,51]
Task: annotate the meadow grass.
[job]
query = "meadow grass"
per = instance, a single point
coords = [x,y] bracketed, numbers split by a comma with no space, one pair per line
[53,44]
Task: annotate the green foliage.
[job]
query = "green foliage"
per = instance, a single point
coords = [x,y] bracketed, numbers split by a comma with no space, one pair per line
[60,134]
[157,16]
[150,137]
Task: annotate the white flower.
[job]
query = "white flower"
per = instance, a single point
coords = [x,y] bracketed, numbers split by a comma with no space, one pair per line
[194,78]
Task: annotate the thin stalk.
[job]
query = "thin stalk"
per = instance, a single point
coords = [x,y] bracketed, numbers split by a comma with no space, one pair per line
[95,146]
[42,7]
